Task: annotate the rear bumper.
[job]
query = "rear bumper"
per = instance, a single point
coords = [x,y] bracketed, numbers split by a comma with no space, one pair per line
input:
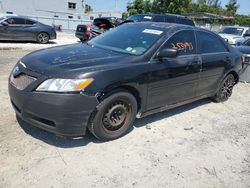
[81,35]
[62,114]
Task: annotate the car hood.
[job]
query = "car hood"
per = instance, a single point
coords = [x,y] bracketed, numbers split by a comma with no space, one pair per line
[230,36]
[244,49]
[72,58]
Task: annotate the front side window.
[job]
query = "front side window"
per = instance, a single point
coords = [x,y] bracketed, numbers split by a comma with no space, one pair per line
[183,41]
[209,43]
[129,39]
[16,21]
[71,5]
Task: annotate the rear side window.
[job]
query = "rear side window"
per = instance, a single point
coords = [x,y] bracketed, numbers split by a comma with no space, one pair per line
[159,19]
[183,41]
[209,43]
[16,21]
[30,22]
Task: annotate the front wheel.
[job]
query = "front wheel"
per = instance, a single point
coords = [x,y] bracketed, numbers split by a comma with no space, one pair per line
[114,116]
[226,89]
[43,38]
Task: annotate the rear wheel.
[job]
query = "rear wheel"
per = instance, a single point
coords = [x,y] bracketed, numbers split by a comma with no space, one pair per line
[226,89]
[114,116]
[43,38]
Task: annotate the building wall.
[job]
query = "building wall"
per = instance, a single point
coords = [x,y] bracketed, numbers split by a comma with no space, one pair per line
[53,12]
[48,8]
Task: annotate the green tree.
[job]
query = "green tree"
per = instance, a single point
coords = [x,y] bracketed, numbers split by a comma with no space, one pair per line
[88,9]
[232,7]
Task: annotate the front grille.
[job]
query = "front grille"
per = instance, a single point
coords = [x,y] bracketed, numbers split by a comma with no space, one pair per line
[22,81]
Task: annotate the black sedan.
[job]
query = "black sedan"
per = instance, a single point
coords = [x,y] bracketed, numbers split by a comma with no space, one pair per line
[23,29]
[105,84]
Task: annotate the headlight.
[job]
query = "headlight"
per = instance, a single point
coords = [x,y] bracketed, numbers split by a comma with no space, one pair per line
[64,85]
[231,41]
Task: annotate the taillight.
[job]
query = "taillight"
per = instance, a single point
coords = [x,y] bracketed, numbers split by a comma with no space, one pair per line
[88,33]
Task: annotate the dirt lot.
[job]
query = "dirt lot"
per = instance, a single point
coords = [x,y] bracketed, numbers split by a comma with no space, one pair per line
[202,144]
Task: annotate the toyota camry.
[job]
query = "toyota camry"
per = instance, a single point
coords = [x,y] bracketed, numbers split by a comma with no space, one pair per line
[130,72]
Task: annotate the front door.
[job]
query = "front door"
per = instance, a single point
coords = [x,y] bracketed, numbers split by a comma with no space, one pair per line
[174,80]
[16,29]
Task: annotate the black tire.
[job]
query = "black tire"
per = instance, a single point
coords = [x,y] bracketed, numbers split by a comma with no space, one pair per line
[43,38]
[114,116]
[225,90]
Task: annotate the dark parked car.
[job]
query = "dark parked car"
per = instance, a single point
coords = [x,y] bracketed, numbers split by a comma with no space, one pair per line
[23,29]
[105,84]
[169,18]
[87,31]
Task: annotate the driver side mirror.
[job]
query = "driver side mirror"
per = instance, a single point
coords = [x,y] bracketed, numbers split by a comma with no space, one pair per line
[167,53]
[4,23]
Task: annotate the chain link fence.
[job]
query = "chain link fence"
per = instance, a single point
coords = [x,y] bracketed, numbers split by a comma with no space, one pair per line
[60,23]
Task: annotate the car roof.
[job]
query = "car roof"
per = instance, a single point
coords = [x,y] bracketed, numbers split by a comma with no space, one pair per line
[163,25]
[165,14]
[170,28]
[16,16]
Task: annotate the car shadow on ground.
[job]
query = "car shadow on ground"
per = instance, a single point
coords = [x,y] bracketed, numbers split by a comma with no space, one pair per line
[66,142]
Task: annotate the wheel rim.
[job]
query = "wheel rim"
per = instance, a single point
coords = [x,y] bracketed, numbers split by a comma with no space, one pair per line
[227,88]
[116,115]
[43,37]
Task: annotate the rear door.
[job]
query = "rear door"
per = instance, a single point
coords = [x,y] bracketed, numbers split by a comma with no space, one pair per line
[30,27]
[175,79]
[215,60]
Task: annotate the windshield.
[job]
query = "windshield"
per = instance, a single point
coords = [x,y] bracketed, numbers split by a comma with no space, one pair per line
[232,30]
[128,38]
[140,18]
[1,19]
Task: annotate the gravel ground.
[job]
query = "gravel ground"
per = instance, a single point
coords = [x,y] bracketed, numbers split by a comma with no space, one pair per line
[202,144]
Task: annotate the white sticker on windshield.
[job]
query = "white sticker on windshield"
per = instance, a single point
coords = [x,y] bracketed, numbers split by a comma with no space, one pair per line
[147,17]
[152,31]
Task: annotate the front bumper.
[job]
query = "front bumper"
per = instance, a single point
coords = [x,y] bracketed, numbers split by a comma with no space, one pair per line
[62,114]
